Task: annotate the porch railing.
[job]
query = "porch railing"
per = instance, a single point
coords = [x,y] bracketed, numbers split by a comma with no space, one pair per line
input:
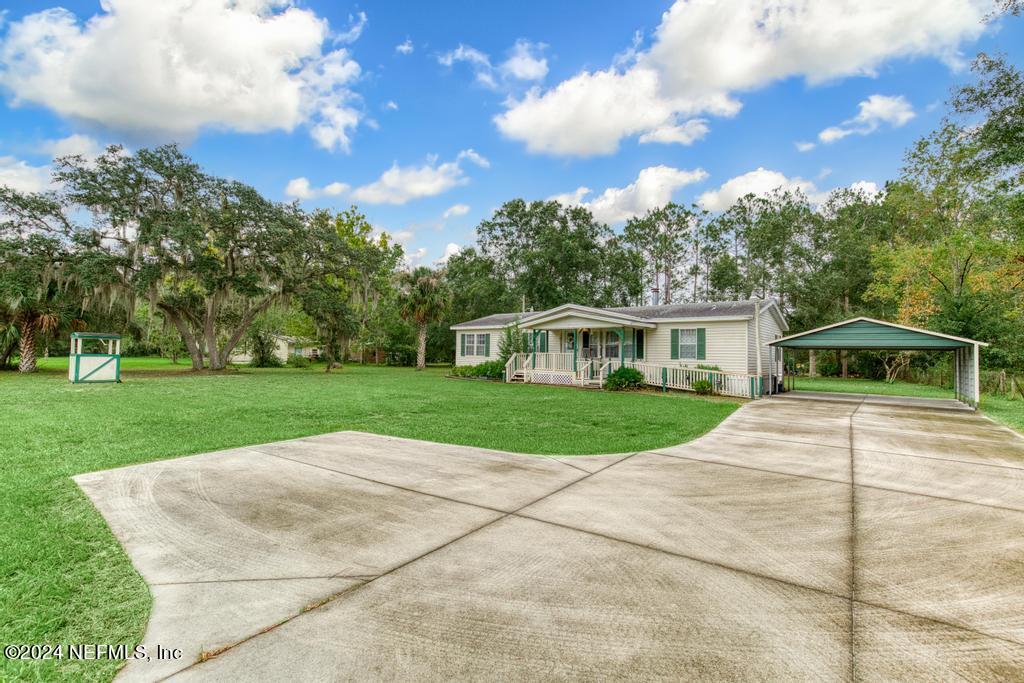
[596,371]
[561,362]
[516,363]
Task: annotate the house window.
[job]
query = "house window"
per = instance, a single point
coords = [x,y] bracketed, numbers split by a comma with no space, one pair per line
[635,345]
[688,344]
[476,344]
[611,345]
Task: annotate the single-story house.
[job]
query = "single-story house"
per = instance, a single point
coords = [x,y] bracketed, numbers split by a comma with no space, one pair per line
[673,345]
[284,348]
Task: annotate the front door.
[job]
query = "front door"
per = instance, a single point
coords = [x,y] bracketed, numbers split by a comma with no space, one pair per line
[585,344]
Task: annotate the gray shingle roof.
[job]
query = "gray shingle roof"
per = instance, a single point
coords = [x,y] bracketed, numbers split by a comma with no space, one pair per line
[707,309]
[493,320]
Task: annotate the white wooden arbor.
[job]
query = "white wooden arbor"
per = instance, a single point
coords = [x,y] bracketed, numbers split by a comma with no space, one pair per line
[87,365]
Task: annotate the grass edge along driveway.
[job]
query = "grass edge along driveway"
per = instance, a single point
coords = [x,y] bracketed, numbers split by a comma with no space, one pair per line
[64,577]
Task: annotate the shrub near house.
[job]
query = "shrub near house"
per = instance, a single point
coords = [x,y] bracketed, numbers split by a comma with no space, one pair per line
[490,370]
[624,379]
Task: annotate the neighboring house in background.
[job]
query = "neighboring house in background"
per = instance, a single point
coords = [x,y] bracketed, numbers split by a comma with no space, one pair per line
[573,344]
[284,348]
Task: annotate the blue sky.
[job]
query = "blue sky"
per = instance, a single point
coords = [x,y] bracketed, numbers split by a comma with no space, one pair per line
[637,102]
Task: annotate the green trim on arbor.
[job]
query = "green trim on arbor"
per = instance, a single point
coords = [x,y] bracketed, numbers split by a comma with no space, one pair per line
[94,335]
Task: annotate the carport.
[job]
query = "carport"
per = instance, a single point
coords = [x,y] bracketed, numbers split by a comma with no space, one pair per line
[867,334]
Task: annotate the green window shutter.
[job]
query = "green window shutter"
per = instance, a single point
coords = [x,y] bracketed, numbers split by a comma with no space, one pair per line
[675,344]
[701,343]
[641,337]
[462,345]
[487,345]
[542,342]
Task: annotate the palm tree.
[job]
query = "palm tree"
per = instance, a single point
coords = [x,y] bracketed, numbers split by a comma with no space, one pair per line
[424,299]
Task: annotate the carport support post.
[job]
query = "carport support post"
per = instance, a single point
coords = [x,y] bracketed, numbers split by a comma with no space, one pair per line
[977,376]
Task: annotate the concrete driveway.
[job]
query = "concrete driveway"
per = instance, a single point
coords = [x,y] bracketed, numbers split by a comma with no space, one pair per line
[800,540]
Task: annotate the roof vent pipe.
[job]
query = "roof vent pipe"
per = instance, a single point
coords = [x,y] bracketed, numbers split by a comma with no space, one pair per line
[654,297]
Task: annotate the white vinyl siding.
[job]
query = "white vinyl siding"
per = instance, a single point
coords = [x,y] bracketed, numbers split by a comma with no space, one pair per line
[770,331]
[725,344]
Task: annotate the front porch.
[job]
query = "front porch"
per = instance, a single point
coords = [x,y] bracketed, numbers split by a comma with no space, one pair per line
[567,369]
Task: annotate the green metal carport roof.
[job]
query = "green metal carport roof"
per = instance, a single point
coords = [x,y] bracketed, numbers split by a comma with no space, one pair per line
[869,334]
[878,335]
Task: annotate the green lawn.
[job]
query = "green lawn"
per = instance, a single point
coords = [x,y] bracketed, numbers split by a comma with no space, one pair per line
[870,386]
[64,578]
[1010,413]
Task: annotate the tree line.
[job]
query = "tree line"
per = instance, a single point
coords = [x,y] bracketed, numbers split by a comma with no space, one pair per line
[184,262]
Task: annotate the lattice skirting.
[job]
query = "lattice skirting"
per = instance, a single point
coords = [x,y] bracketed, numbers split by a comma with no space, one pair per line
[552,377]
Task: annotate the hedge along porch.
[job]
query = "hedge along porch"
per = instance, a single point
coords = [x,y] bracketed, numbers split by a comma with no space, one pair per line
[867,334]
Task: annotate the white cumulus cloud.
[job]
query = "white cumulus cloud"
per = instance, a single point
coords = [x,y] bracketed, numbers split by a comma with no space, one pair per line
[400,184]
[300,188]
[525,63]
[405,47]
[895,111]
[455,210]
[763,182]
[804,146]
[684,134]
[451,249]
[478,61]
[21,176]
[173,68]
[703,56]
[574,198]
[356,24]
[76,144]
[760,182]
[652,188]
[415,257]
[589,113]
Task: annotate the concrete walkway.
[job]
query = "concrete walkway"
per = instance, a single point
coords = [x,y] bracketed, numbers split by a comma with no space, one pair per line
[800,540]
